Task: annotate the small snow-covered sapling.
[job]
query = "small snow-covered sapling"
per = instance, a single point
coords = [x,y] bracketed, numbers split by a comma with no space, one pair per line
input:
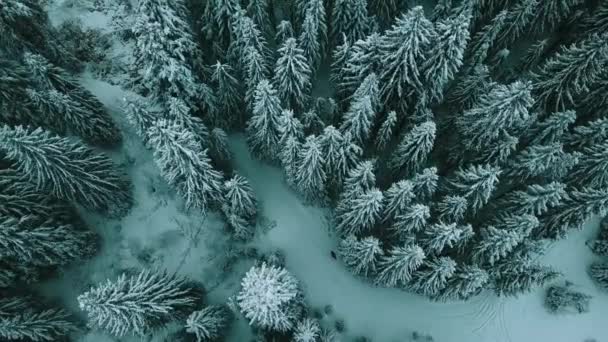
[563,298]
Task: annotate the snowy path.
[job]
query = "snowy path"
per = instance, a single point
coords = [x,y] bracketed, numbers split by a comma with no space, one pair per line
[388,315]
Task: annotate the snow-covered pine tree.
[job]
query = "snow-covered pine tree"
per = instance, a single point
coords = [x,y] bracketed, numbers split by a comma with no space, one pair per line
[44,241]
[289,157]
[284,31]
[398,198]
[451,209]
[386,131]
[140,116]
[517,22]
[495,243]
[403,48]
[307,330]
[20,321]
[209,323]
[255,70]
[570,72]
[359,212]
[358,25]
[359,118]
[386,10]
[590,171]
[219,151]
[178,111]
[446,55]
[259,12]
[269,298]
[312,122]
[536,199]
[219,15]
[548,162]
[550,14]
[361,256]
[396,267]
[263,128]
[599,272]
[468,90]
[360,178]
[239,197]
[588,135]
[552,129]
[339,58]
[504,107]
[165,54]
[139,303]
[534,55]
[484,40]
[290,127]
[573,211]
[439,236]
[341,16]
[412,152]
[310,176]
[313,38]
[66,104]
[467,281]
[410,221]
[432,276]
[185,165]
[292,75]
[341,155]
[362,59]
[229,96]
[246,35]
[514,276]
[67,169]
[442,10]
[476,183]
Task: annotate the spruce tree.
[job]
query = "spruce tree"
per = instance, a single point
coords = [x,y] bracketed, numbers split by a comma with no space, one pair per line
[38,241]
[432,276]
[140,116]
[66,169]
[413,219]
[209,323]
[185,165]
[269,297]
[504,107]
[255,71]
[21,320]
[358,26]
[359,212]
[476,183]
[517,21]
[398,198]
[386,10]
[263,126]
[292,75]
[550,162]
[313,38]
[290,156]
[229,95]
[550,14]
[341,16]
[413,150]
[386,131]
[590,171]
[426,183]
[339,58]
[363,58]
[440,235]
[259,12]
[535,54]
[514,277]
[284,31]
[139,303]
[467,281]
[588,135]
[570,72]
[310,177]
[451,209]
[599,272]
[359,118]
[307,330]
[442,10]
[219,151]
[67,106]
[484,40]
[397,266]
[360,178]
[341,154]
[402,50]
[574,210]
[446,55]
[239,197]
[536,199]
[468,90]
[361,256]
[552,129]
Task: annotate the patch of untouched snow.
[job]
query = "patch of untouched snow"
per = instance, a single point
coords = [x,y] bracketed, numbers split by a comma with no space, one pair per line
[303,235]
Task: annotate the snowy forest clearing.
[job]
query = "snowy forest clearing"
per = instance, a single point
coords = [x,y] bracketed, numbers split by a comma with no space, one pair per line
[302,233]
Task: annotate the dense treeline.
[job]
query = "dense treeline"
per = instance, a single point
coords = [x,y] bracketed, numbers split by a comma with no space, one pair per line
[453,143]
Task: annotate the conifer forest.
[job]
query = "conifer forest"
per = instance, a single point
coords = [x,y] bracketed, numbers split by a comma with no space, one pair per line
[304,170]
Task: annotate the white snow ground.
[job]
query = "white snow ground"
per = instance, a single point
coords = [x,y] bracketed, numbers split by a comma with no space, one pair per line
[150,236]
